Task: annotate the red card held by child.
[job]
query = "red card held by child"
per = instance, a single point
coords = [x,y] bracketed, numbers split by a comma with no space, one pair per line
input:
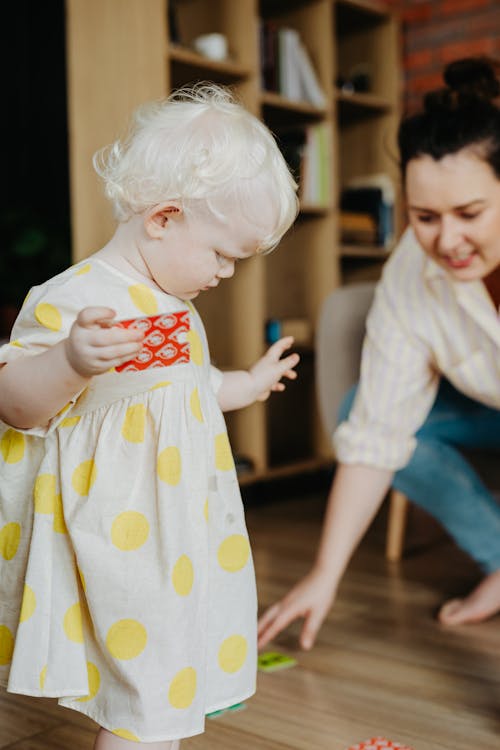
[164,341]
[379,743]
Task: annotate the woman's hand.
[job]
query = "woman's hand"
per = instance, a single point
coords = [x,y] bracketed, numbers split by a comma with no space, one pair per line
[267,372]
[94,345]
[310,599]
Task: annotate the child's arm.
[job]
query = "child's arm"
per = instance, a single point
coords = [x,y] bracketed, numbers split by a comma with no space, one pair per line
[33,389]
[242,387]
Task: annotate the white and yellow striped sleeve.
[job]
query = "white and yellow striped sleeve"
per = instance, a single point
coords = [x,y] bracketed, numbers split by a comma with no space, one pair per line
[398,382]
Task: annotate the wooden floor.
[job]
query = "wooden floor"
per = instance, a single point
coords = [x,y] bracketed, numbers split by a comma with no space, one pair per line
[381,667]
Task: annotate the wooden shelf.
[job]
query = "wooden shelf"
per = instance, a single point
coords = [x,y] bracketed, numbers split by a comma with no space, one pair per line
[188,58]
[272,100]
[363,101]
[364,251]
[306,209]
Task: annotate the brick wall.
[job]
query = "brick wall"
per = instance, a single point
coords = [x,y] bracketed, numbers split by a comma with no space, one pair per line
[438,31]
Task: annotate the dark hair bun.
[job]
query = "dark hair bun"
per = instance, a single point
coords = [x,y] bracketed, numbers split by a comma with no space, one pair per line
[473,76]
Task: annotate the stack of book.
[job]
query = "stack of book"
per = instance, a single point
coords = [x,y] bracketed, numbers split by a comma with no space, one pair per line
[287,67]
[367,211]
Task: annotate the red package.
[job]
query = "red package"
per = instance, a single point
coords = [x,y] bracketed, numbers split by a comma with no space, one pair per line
[164,342]
[379,743]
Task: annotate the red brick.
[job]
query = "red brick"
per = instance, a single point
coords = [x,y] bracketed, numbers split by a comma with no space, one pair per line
[420,59]
[454,7]
[467,48]
[420,13]
[428,82]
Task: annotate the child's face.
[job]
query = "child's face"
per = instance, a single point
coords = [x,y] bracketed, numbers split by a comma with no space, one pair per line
[191,255]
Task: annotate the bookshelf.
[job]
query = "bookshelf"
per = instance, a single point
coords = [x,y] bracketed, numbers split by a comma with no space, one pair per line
[123,52]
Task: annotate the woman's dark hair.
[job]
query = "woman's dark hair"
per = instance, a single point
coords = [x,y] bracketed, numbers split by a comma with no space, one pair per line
[463,113]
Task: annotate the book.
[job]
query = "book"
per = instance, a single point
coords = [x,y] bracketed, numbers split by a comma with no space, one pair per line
[288,66]
[309,84]
[316,167]
[385,213]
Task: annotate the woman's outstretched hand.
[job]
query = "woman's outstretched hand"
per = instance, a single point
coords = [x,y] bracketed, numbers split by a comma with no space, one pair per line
[310,599]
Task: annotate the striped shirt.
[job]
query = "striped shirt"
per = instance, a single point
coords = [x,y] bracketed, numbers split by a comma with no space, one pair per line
[423,324]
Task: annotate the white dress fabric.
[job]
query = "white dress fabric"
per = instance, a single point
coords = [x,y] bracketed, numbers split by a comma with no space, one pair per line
[127,587]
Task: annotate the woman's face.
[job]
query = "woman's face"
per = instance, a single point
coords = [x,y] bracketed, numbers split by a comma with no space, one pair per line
[454,209]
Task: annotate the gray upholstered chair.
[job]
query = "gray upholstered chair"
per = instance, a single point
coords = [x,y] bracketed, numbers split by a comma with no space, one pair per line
[339,339]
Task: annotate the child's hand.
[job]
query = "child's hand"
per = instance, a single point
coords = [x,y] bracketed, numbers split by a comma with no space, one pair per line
[268,371]
[94,345]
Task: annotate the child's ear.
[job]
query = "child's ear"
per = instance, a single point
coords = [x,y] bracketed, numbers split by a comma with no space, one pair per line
[158,218]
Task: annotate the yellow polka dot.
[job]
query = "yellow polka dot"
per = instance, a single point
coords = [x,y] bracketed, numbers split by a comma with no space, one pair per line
[83,270]
[182,575]
[6,645]
[59,522]
[233,653]
[169,465]
[43,677]
[44,493]
[10,536]
[69,421]
[94,679]
[162,384]
[12,446]
[129,530]
[233,553]
[126,639]
[194,402]
[143,298]
[125,734]
[195,347]
[223,456]
[17,343]
[73,623]
[183,688]
[29,604]
[205,509]
[84,477]
[48,316]
[134,424]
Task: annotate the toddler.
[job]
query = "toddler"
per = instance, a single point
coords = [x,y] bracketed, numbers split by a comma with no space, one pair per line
[126,583]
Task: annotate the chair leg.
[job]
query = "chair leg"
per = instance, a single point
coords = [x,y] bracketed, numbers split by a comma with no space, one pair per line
[396,525]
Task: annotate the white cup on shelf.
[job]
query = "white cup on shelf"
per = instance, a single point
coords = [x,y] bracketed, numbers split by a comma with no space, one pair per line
[212,46]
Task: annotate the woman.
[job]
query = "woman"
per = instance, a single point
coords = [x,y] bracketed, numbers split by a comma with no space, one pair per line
[435,317]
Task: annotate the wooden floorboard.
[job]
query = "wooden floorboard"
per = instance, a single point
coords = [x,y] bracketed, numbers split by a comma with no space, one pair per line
[382,665]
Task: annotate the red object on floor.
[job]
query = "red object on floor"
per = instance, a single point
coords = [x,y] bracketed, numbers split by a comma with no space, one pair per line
[379,743]
[164,343]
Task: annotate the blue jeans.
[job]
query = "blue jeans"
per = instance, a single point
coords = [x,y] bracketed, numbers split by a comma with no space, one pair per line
[439,479]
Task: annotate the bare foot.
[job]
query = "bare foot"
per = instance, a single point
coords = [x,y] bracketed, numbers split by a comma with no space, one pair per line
[483,602]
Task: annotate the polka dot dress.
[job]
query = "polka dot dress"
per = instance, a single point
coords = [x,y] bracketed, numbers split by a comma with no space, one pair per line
[127,588]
